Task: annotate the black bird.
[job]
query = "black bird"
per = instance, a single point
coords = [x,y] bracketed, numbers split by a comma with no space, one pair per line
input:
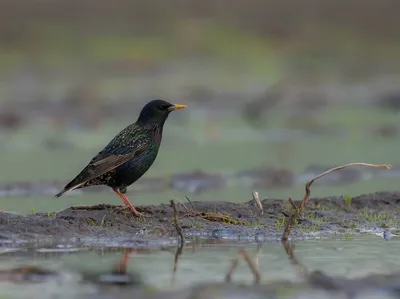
[129,155]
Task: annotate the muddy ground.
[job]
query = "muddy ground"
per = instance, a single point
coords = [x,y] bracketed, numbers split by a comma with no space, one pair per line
[217,219]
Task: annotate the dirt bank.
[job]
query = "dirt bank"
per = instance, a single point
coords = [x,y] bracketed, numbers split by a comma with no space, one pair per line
[208,219]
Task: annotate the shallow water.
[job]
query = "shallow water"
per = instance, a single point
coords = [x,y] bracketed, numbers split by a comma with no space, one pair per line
[360,256]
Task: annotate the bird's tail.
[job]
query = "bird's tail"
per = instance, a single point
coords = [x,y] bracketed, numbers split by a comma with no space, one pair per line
[69,187]
[61,193]
[76,183]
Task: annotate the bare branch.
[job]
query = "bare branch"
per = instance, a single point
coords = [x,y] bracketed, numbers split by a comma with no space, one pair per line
[302,204]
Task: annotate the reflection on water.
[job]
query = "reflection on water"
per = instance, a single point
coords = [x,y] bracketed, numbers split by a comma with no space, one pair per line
[200,263]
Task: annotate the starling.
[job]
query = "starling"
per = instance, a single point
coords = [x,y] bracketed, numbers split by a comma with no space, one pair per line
[129,155]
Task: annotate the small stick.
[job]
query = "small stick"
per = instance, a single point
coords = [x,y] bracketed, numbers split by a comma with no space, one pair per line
[181,237]
[187,198]
[176,223]
[292,203]
[258,202]
[179,202]
[302,204]
[254,269]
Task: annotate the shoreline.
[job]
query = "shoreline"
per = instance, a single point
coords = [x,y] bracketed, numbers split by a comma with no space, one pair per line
[212,220]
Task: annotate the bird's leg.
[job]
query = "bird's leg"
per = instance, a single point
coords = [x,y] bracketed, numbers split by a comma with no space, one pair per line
[127,202]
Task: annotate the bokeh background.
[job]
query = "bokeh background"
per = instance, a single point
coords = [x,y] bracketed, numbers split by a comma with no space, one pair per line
[277,92]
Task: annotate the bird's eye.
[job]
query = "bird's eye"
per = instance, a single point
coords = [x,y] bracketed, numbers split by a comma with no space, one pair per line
[163,107]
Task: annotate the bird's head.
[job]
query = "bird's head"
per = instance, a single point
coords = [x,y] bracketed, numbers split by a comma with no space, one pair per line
[157,111]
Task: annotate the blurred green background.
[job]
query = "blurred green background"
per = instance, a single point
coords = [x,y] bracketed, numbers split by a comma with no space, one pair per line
[277,91]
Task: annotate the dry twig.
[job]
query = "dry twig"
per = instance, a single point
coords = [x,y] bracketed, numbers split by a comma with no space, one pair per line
[292,203]
[176,223]
[187,198]
[302,204]
[258,202]
[253,267]
[179,202]
[181,238]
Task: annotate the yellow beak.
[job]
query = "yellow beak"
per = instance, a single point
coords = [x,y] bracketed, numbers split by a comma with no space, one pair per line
[177,107]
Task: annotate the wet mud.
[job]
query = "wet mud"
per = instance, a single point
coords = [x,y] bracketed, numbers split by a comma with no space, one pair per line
[219,220]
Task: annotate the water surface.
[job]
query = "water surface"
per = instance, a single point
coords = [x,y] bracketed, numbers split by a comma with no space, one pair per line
[356,257]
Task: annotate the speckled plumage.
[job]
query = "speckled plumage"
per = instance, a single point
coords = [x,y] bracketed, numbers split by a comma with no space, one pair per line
[129,154]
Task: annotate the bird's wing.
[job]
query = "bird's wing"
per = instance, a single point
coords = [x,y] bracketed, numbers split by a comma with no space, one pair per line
[113,155]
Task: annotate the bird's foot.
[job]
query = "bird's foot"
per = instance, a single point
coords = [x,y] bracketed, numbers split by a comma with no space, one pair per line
[134,211]
[138,214]
[127,202]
